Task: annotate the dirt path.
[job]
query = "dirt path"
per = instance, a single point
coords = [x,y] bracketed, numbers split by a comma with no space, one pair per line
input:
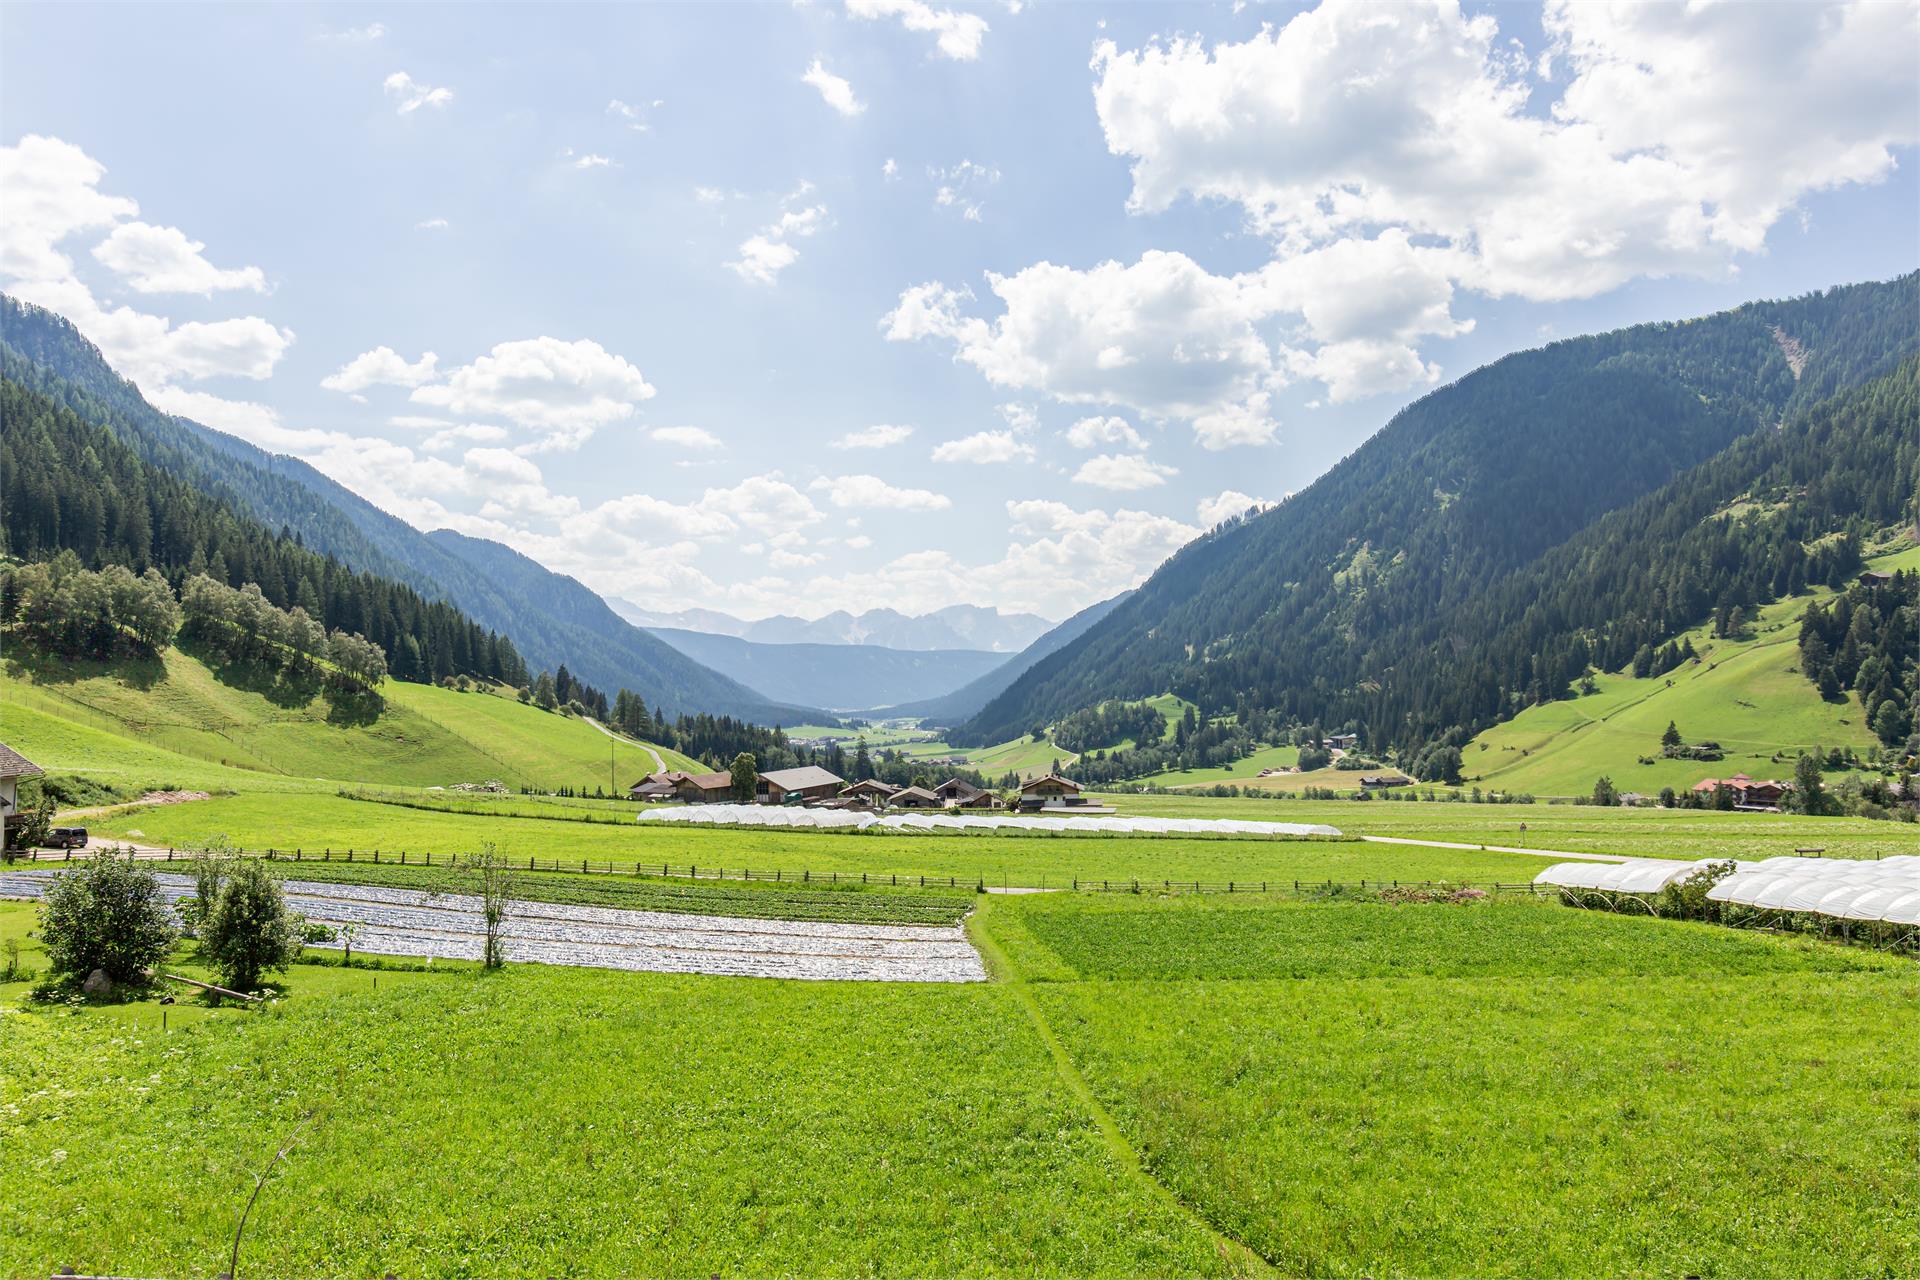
[658,764]
[1501,848]
[150,800]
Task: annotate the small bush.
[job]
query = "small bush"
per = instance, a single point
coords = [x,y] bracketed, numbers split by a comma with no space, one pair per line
[106,914]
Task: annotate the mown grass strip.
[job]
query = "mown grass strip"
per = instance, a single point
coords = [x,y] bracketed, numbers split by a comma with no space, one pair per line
[1243,1259]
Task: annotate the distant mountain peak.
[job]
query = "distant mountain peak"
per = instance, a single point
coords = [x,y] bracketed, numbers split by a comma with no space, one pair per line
[958,626]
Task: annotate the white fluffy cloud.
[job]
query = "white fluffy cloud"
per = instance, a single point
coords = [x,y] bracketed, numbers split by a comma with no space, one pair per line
[1123,472]
[984,447]
[764,255]
[409,95]
[685,437]
[53,193]
[873,492]
[1225,505]
[875,437]
[561,390]
[163,260]
[1161,336]
[1089,433]
[382,366]
[1677,137]
[956,35]
[834,90]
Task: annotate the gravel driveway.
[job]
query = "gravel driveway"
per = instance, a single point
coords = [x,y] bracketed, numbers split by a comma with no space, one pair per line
[411,922]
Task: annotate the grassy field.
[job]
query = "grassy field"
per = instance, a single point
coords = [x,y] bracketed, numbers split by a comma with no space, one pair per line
[172,720]
[543,1121]
[1023,756]
[1494,1089]
[261,821]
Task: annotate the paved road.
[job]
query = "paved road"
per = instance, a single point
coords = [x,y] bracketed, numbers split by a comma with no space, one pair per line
[1501,848]
[410,922]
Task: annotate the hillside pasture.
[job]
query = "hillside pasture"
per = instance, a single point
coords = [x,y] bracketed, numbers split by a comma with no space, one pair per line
[172,718]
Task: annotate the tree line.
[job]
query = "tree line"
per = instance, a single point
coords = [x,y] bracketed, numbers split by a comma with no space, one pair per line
[67,485]
[1867,642]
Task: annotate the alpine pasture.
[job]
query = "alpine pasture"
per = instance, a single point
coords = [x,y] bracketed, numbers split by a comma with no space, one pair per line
[1302,1075]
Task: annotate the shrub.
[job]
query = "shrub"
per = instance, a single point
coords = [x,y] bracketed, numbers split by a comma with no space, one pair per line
[1687,899]
[108,915]
[248,932]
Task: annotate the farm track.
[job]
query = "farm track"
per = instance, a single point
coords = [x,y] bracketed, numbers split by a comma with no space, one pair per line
[1499,848]
[1244,1258]
[410,922]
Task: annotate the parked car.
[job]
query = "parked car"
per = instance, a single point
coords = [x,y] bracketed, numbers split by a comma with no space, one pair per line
[67,838]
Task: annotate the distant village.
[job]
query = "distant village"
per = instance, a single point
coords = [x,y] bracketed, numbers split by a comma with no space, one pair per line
[819,788]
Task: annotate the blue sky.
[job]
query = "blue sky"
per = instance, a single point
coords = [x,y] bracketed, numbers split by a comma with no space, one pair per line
[790,308]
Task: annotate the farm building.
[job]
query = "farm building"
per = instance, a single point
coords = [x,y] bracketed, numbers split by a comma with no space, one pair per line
[1374,781]
[956,792]
[870,789]
[1341,741]
[13,767]
[914,798]
[1759,795]
[1051,792]
[657,786]
[797,786]
[704,788]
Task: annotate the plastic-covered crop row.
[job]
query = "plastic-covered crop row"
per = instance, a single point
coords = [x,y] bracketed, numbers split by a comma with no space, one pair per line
[1842,889]
[747,815]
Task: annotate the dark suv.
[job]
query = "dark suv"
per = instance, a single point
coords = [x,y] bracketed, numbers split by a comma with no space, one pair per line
[67,838]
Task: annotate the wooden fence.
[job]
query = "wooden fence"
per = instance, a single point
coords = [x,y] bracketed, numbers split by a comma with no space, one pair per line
[891,879]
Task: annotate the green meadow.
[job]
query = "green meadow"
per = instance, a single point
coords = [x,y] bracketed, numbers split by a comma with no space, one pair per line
[1153,1084]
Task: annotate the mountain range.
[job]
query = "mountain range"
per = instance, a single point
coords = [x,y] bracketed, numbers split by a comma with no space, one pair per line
[552,618]
[959,626]
[1483,548]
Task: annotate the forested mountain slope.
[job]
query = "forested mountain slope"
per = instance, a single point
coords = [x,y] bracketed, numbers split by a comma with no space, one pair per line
[966,701]
[67,485]
[843,677]
[551,618]
[1370,597]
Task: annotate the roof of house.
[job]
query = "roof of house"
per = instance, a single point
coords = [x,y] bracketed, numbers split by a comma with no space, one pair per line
[707,781]
[874,784]
[802,778]
[914,793]
[960,785]
[1068,783]
[15,765]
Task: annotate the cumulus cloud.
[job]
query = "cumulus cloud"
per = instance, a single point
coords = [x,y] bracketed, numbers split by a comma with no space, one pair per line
[685,437]
[561,390]
[430,224]
[1161,336]
[163,260]
[984,447]
[875,437]
[1122,471]
[409,95]
[764,255]
[465,434]
[834,90]
[1225,505]
[380,366]
[1089,433]
[1678,137]
[956,35]
[873,492]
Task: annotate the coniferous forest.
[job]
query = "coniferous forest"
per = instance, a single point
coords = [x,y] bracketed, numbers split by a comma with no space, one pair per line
[1563,509]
